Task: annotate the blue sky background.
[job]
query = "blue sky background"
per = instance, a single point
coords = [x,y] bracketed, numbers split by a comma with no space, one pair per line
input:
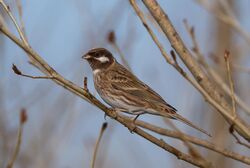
[62,128]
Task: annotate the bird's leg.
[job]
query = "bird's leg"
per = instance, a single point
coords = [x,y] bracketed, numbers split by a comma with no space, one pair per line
[137,116]
[137,113]
[105,116]
[133,121]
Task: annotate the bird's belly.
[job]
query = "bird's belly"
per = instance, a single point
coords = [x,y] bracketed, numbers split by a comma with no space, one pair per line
[121,104]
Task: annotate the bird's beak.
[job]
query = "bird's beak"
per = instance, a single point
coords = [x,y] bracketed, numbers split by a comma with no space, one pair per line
[86,56]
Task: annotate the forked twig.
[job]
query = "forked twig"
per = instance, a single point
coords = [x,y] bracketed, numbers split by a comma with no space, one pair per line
[18,72]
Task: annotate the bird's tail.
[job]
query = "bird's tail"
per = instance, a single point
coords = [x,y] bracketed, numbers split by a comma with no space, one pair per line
[184,120]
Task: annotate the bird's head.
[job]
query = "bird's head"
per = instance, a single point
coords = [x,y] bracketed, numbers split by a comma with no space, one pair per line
[99,59]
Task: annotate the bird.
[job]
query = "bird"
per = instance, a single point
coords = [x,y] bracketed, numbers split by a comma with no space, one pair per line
[125,92]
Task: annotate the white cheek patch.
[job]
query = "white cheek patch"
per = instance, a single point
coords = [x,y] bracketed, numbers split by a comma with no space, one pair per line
[102,59]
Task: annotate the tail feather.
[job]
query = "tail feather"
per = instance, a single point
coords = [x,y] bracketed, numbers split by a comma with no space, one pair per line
[184,120]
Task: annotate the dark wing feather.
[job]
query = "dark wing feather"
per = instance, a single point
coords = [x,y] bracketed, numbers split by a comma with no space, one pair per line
[124,80]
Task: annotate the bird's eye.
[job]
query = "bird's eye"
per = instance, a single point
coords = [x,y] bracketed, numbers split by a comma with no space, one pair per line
[97,54]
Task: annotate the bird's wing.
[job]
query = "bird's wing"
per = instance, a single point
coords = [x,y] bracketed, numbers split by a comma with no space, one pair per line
[123,80]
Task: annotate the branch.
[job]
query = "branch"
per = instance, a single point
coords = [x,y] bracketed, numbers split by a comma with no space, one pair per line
[203,143]
[7,9]
[213,94]
[20,13]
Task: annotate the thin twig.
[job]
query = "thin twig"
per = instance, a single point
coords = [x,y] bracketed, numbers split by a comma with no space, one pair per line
[229,74]
[239,141]
[104,126]
[112,40]
[154,38]
[20,12]
[19,30]
[7,9]
[196,48]
[18,72]
[23,119]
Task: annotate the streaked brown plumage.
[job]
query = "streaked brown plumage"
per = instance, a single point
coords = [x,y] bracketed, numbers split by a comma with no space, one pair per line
[122,90]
